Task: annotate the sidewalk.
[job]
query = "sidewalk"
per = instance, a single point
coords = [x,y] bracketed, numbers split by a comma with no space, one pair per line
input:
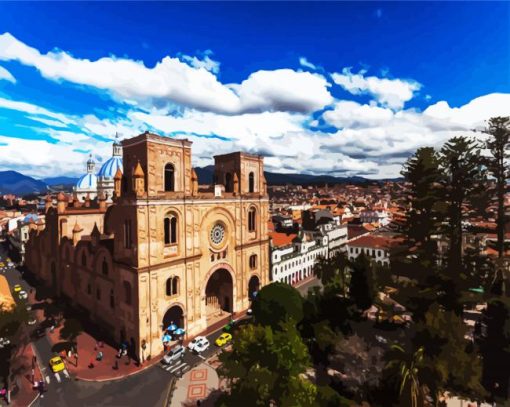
[87,352]
[105,369]
[26,393]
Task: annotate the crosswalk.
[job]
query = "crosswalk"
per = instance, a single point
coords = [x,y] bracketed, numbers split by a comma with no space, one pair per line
[178,367]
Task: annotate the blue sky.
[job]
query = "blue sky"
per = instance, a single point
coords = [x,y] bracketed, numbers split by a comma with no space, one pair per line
[340,88]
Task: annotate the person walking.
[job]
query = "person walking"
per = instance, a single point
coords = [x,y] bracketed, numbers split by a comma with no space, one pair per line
[99,356]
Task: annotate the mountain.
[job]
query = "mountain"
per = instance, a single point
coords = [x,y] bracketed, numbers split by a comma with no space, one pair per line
[60,181]
[12,182]
[205,176]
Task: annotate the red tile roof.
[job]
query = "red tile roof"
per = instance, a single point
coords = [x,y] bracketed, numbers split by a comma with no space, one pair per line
[375,241]
[281,239]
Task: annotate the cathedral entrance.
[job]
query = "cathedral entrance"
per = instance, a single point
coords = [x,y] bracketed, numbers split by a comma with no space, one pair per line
[174,315]
[218,295]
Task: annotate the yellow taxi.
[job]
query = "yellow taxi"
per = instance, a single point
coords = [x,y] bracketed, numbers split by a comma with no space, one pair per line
[223,339]
[2,264]
[57,364]
[17,288]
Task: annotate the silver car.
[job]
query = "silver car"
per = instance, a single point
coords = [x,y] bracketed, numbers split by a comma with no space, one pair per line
[174,354]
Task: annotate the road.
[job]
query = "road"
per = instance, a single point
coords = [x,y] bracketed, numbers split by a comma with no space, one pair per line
[147,388]
[303,289]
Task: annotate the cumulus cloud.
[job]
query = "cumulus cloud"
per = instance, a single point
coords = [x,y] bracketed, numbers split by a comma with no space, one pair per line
[175,81]
[6,75]
[392,93]
[206,62]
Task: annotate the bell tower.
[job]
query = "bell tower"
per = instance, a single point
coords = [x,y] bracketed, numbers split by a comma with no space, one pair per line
[241,173]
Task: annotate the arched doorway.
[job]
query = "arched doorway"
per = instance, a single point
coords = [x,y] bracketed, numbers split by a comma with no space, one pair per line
[174,315]
[253,287]
[219,293]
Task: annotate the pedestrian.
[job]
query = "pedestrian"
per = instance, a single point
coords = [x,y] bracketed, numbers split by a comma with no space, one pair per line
[95,346]
[101,344]
[41,389]
[199,403]
[99,357]
[116,365]
[91,364]
[3,393]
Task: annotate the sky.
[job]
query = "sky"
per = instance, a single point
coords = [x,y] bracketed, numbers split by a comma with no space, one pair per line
[337,88]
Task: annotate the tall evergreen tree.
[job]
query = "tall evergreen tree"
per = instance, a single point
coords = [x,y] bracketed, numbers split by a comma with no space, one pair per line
[498,144]
[464,179]
[362,287]
[423,175]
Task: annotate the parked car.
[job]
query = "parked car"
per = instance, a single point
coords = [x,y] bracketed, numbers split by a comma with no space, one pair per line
[57,364]
[174,354]
[10,264]
[230,326]
[201,346]
[4,342]
[194,342]
[223,339]
[249,312]
[17,288]
[31,320]
[23,295]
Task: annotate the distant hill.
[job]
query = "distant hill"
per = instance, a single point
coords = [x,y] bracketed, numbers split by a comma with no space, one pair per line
[60,181]
[12,182]
[205,176]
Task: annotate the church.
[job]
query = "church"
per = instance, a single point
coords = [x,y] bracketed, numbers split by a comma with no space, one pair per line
[165,250]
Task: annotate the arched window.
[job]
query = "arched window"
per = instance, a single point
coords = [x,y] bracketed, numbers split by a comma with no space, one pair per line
[170,225]
[172,286]
[251,182]
[251,220]
[104,267]
[229,183]
[112,299]
[169,177]
[83,259]
[253,261]
[127,292]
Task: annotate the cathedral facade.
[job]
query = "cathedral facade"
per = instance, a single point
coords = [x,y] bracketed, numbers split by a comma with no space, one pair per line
[166,251]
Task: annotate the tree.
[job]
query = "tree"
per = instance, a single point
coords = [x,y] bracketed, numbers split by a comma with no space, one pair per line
[71,330]
[424,177]
[267,365]
[498,144]
[450,363]
[362,286]
[276,303]
[409,369]
[495,348]
[334,272]
[464,179]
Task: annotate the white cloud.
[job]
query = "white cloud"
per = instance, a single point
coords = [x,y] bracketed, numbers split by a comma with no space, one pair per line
[6,75]
[175,81]
[33,109]
[388,92]
[352,114]
[207,63]
[306,63]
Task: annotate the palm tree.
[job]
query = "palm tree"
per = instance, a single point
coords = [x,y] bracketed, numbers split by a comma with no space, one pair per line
[409,370]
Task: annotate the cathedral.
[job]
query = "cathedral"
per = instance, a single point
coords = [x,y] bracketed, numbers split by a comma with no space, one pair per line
[90,185]
[164,250]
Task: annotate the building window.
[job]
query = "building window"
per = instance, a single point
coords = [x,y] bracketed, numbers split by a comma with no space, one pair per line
[251,219]
[84,259]
[127,292]
[170,230]
[251,182]
[169,178]
[127,233]
[229,182]
[105,267]
[112,299]
[253,261]
[172,286]
[98,294]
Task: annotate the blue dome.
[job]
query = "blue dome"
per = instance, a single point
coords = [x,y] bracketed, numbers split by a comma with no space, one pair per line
[87,182]
[30,216]
[109,168]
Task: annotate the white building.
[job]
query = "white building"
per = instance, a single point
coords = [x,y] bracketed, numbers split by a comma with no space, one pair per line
[336,237]
[294,262]
[19,234]
[377,247]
